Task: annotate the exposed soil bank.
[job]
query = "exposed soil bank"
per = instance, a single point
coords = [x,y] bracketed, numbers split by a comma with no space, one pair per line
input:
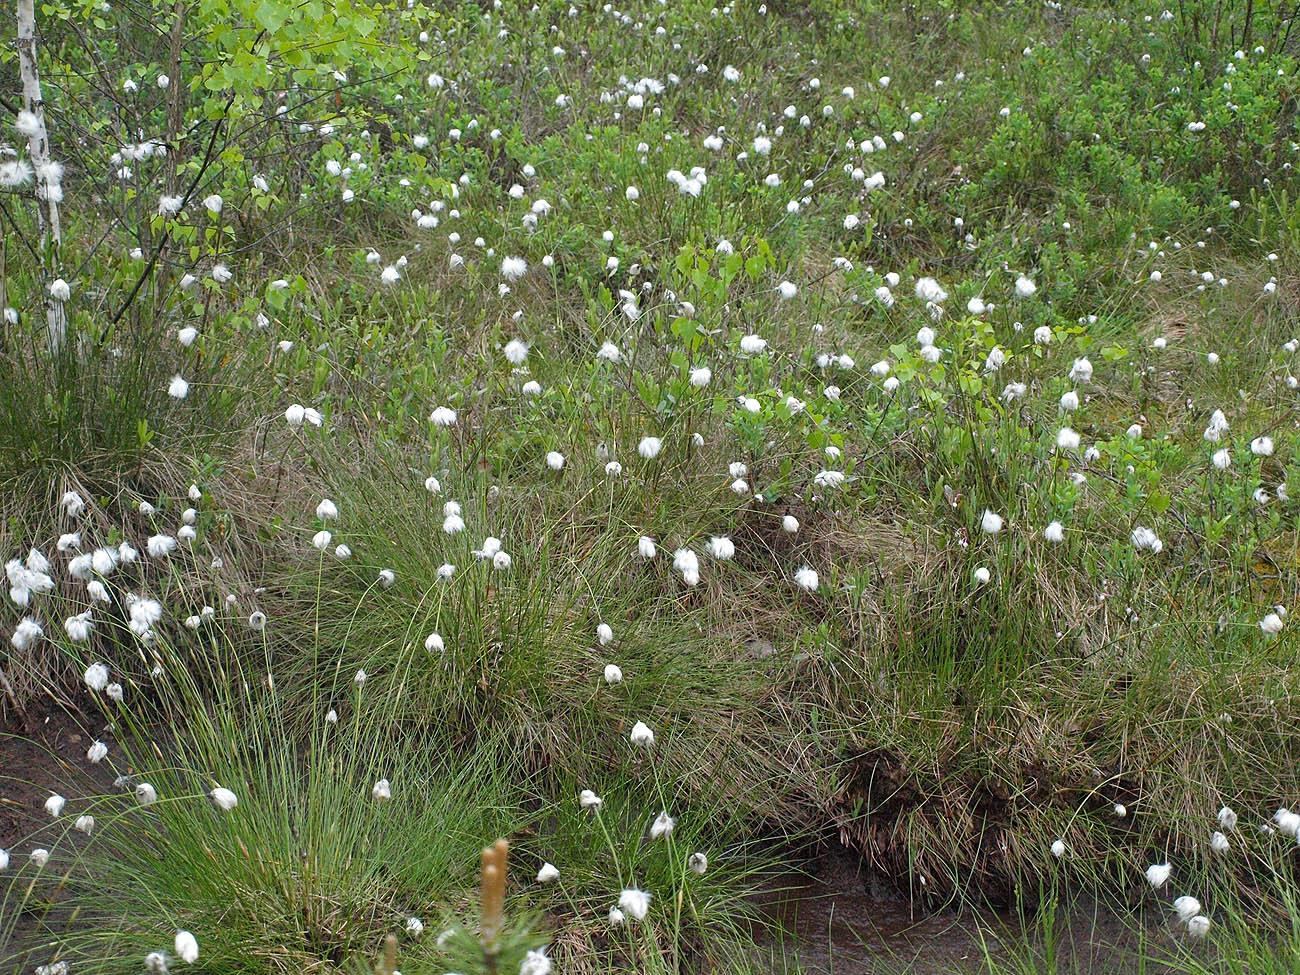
[836,919]
[35,762]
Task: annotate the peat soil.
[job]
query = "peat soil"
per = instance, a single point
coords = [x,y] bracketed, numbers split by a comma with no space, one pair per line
[833,918]
[38,758]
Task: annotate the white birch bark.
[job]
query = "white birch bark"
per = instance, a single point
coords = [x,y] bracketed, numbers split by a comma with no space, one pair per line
[38,151]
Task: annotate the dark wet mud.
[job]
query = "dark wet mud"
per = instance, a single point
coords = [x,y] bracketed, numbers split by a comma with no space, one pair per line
[47,752]
[832,919]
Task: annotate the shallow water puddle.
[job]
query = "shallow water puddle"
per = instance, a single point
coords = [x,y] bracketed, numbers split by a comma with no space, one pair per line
[830,920]
[841,931]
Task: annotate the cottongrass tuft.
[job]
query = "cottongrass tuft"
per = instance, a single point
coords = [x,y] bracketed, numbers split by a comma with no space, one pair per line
[806,579]
[634,903]
[641,735]
[187,947]
[1158,874]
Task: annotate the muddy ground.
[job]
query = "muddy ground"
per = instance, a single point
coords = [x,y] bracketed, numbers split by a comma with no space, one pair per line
[45,754]
[834,917]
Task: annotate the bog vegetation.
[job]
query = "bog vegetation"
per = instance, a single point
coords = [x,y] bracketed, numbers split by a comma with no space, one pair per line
[674,437]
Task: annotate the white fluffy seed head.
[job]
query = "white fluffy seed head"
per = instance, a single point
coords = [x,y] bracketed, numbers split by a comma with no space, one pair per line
[27,124]
[187,947]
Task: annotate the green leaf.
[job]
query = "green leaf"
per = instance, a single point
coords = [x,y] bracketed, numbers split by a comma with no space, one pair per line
[272,15]
[685,259]
[684,328]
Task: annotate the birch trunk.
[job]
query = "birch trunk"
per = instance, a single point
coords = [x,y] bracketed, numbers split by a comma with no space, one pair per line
[38,151]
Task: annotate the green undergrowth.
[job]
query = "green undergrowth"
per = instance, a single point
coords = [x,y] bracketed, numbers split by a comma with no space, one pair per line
[988,580]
